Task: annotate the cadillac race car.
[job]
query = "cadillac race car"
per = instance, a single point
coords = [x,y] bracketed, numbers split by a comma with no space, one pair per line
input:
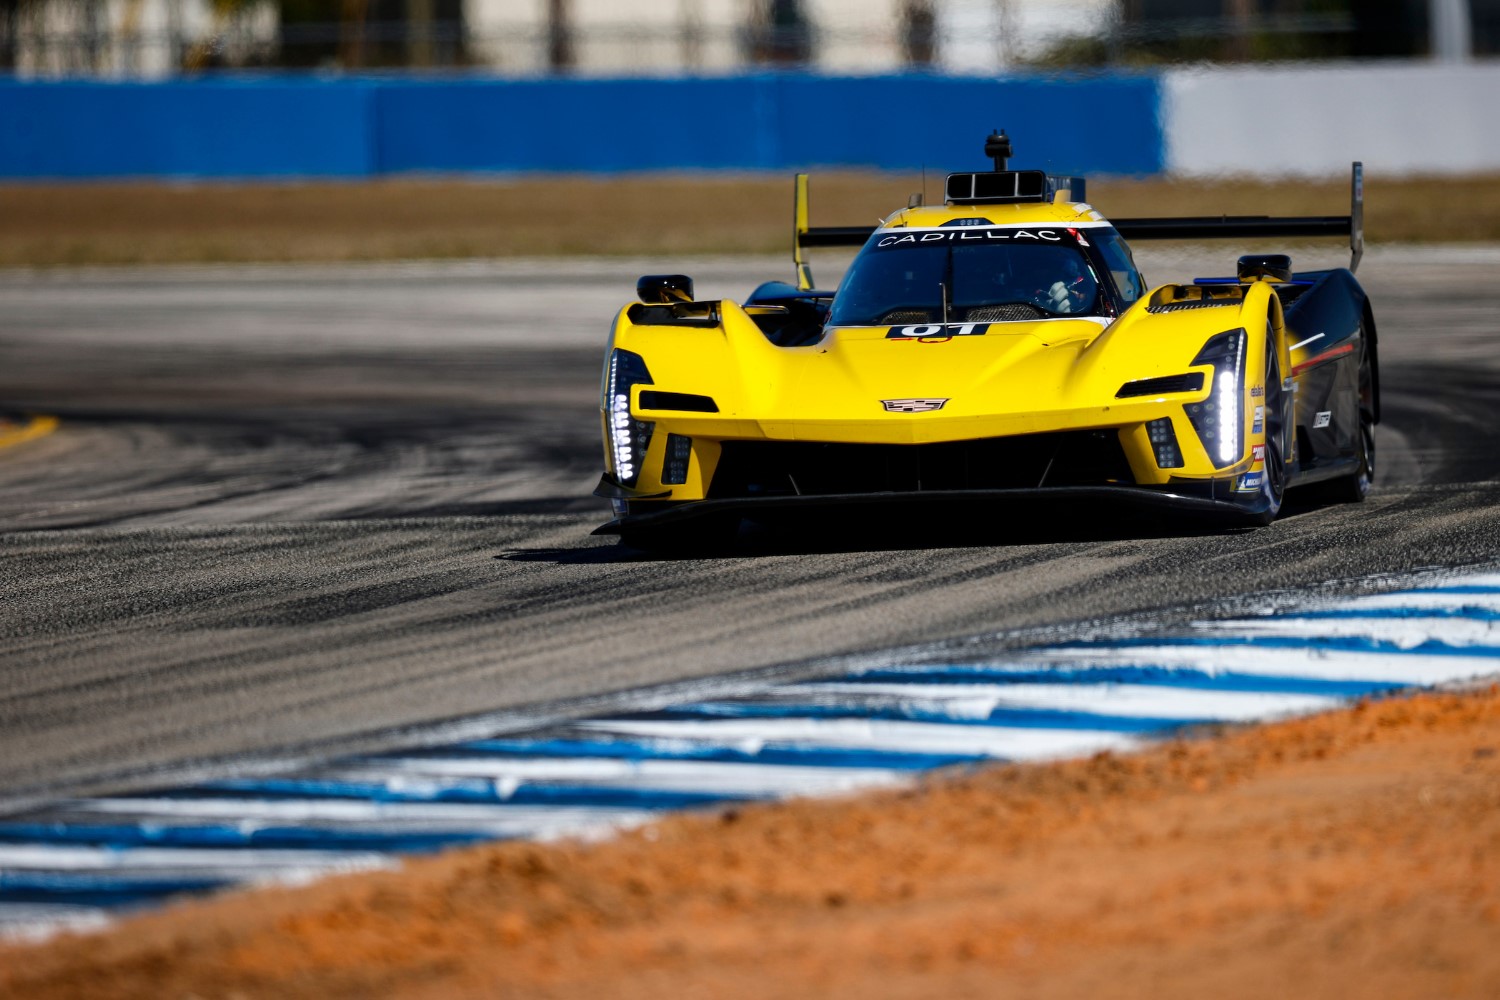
[1000,345]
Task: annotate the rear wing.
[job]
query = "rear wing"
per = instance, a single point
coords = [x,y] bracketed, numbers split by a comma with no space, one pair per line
[1253,226]
[1184,228]
[804,235]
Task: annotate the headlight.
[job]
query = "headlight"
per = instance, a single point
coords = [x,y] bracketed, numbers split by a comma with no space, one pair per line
[1220,419]
[628,437]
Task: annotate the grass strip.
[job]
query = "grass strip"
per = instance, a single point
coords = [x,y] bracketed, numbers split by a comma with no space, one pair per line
[139,223]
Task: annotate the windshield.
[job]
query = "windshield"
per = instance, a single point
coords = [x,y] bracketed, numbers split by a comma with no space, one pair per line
[937,276]
[1121,264]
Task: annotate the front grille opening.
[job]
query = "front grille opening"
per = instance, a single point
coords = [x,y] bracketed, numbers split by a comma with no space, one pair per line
[773,468]
[897,316]
[1010,312]
[1185,304]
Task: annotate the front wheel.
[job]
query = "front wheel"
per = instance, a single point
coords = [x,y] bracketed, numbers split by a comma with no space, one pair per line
[1273,476]
[1354,487]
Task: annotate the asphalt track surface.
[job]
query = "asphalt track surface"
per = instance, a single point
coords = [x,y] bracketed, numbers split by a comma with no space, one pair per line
[294,511]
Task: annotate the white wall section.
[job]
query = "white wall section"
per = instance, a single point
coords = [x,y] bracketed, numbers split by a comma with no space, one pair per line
[1399,118]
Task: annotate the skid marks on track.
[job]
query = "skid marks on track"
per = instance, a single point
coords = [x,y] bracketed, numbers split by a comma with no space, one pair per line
[74,862]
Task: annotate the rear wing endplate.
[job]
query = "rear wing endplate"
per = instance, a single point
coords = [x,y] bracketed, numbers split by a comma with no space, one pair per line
[1184,228]
[804,235]
[1254,226]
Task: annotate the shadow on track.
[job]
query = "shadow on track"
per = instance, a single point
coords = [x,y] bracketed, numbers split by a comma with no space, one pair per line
[890,529]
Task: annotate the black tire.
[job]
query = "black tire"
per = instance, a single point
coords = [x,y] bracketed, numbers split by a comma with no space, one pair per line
[1278,420]
[1354,487]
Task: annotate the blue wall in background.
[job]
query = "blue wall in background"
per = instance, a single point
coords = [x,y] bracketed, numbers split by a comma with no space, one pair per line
[259,127]
[232,128]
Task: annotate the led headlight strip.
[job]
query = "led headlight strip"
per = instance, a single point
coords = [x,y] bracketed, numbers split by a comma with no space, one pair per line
[1220,419]
[628,437]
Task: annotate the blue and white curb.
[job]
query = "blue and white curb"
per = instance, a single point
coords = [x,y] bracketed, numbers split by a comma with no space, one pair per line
[74,862]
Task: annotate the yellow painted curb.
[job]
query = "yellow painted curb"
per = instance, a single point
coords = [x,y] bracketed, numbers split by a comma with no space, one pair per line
[33,428]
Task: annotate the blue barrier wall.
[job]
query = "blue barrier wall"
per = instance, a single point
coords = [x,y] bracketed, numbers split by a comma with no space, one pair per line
[256,127]
[220,128]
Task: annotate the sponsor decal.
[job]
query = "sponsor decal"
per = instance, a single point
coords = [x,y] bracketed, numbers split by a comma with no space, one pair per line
[916,405]
[1258,453]
[1257,390]
[933,333]
[934,236]
[1260,420]
[1322,419]
[1249,482]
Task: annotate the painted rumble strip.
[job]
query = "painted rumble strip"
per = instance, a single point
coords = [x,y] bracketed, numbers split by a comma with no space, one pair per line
[74,862]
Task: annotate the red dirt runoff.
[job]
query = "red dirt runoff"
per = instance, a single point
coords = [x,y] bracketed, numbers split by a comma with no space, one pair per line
[1351,854]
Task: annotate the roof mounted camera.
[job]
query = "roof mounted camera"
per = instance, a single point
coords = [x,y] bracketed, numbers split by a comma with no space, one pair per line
[997,147]
[1002,186]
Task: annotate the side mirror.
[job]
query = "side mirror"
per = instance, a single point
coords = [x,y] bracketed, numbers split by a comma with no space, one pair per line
[665,288]
[1276,266]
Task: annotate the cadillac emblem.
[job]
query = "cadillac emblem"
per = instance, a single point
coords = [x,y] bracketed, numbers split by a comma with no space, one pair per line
[912,405]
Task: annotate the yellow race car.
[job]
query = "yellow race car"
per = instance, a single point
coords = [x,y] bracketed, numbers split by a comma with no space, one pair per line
[1000,345]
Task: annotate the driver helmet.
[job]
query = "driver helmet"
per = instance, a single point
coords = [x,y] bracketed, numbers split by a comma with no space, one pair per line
[1073,288]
